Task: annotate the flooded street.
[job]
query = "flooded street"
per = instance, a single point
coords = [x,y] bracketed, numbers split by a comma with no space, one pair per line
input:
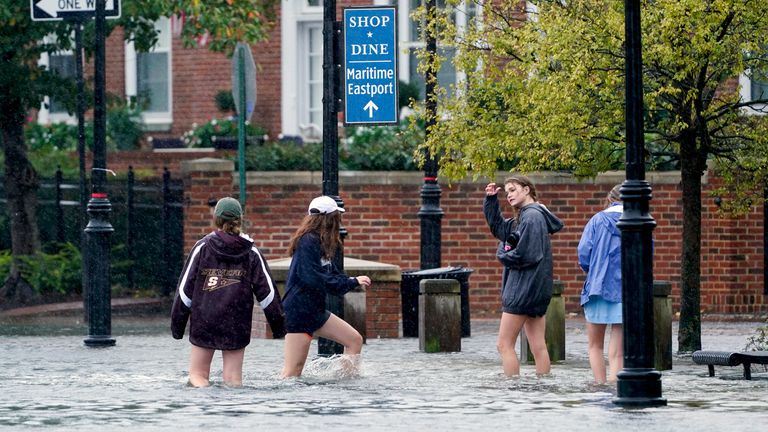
[57,383]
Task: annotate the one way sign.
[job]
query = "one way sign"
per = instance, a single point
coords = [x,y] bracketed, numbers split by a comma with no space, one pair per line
[56,10]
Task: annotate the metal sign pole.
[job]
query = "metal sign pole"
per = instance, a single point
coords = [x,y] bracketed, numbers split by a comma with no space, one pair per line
[334,303]
[241,125]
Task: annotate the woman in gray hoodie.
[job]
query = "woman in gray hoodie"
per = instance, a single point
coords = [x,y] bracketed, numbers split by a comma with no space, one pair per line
[525,252]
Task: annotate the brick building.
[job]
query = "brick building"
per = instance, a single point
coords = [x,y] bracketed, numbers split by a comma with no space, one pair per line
[181,83]
[383,224]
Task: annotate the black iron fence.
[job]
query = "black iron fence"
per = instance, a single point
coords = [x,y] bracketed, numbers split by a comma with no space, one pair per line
[147,216]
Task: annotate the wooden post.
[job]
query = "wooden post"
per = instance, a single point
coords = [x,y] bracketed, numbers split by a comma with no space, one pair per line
[439,315]
[662,325]
[555,330]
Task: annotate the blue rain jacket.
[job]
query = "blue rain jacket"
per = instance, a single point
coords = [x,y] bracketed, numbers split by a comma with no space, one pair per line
[599,253]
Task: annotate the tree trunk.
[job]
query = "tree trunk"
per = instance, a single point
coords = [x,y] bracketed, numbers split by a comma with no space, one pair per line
[689,332]
[21,185]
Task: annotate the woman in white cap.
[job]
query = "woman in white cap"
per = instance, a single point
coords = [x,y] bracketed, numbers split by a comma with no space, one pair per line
[311,275]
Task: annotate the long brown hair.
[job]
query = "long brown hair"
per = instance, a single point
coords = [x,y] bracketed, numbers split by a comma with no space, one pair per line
[326,226]
[523,181]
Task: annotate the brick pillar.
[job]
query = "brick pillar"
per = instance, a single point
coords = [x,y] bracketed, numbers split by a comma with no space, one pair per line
[205,181]
[382,299]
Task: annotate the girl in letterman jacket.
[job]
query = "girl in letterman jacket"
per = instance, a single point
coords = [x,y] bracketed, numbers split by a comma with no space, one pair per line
[221,276]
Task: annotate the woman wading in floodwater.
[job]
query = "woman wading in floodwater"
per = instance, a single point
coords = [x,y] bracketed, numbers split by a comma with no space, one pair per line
[311,276]
[525,252]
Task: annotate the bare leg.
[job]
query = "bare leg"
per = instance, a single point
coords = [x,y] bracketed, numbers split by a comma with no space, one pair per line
[509,330]
[535,329]
[233,367]
[200,366]
[596,338]
[615,351]
[296,350]
[338,330]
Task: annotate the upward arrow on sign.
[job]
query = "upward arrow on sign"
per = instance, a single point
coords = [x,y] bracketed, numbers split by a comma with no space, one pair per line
[370,106]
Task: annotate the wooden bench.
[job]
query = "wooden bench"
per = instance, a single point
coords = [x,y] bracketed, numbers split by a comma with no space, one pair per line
[728,358]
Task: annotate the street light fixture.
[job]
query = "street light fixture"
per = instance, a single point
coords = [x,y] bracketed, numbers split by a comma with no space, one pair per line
[638,384]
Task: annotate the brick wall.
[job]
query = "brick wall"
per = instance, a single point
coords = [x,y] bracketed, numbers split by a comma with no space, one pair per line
[153,163]
[383,226]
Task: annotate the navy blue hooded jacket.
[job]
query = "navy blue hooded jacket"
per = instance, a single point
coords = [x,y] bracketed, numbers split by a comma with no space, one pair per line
[310,277]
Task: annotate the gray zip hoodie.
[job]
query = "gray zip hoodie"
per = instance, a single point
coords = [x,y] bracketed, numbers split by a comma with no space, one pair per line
[527,275]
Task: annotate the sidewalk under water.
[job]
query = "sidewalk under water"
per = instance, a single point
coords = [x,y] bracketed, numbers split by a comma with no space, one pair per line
[50,380]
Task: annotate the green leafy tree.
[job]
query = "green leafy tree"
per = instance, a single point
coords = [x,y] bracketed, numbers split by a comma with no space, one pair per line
[24,83]
[545,89]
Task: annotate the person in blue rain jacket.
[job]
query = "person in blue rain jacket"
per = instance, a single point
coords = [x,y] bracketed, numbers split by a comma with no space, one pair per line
[599,253]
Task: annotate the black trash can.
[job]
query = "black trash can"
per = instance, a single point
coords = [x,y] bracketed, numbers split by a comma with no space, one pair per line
[409,296]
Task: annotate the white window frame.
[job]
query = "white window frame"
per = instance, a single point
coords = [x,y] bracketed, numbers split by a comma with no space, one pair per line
[297,17]
[44,115]
[310,131]
[406,44]
[153,121]
[745,91]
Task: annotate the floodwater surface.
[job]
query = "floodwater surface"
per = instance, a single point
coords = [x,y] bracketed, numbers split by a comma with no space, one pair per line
[55,382]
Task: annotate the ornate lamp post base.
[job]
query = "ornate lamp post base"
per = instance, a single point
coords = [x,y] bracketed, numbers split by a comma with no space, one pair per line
[638,388]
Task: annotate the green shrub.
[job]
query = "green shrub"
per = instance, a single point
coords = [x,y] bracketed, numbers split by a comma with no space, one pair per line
[59,272]
[380,148]
[58,136]
[277,156]
[758,341]
[51,147]
[225,102]
[201,135]
[124,130]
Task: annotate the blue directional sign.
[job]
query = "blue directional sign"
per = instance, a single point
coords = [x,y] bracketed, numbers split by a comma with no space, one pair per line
[370,65]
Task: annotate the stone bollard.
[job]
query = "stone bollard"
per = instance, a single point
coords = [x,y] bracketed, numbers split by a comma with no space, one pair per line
[439,315]
[555,330]
[662,325]
[354,310]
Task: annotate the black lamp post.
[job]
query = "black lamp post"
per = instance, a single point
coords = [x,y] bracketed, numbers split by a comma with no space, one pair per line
[430,212]
[639,384]
[98,230]
[331,105]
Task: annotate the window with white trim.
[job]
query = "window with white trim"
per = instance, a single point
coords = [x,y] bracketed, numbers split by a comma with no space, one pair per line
[62,63]
[311,80]
[301,34]
[412,40]
[148,79]
[754,89]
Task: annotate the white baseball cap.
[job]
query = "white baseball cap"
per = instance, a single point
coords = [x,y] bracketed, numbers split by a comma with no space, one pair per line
[323,205]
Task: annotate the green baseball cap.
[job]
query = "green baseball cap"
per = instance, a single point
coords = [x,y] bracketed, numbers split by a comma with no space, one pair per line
[228,209]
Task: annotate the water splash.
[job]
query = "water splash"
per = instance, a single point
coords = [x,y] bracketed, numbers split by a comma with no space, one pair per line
[335,367]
